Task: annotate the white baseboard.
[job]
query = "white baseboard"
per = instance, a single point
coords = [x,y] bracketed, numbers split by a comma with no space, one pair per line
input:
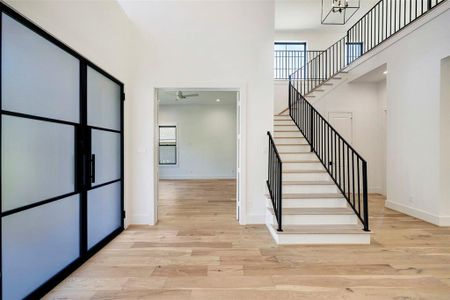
[141,219]
[417,213]
[444,221]
[256,219]
[197,177]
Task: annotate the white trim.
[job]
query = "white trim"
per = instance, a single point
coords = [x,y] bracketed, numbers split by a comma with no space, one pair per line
[141,219]
[256,219]
[444,221]
[418,213]
[241,88]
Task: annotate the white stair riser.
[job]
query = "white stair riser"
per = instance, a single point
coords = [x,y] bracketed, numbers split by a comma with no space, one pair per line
[319,238]
[291,141]
[298,156]
[283,122]
[305,176]
[294,148]
[311,203]
[284,127]
[302,166]
[288,134]
[313,219]
[284,117]
[309,189]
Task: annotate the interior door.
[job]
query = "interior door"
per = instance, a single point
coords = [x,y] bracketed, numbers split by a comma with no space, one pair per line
[40,200]
[104,198]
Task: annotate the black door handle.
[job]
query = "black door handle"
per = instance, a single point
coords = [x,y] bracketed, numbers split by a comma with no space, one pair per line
[92,168]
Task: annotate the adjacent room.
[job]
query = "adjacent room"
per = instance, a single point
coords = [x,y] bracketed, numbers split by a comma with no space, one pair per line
[197,149]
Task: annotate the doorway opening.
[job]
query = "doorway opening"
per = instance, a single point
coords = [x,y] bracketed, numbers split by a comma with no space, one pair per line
[198,155]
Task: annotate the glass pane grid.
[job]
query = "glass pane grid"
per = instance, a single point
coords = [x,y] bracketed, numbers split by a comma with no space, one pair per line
[44,84]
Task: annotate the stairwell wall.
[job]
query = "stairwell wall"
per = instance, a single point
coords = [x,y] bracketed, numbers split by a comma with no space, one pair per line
[414,157]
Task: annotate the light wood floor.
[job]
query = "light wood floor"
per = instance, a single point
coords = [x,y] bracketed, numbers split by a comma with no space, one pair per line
[198,251]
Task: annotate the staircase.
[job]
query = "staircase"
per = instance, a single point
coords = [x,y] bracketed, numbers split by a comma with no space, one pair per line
[317,182]
[314,210]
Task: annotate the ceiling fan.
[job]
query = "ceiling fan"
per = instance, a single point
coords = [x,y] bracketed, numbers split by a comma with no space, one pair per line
[181,96]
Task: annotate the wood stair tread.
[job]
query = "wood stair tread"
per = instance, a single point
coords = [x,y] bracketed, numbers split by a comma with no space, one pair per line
[308,182]
[296,152]
[304,171]
[316,211]
[293,144]
[302,161]
[311,195]
[322,229]
[288,137]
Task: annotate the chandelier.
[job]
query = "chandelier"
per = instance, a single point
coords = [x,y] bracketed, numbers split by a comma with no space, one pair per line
[338,12]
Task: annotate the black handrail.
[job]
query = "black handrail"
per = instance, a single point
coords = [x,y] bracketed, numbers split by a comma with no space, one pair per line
[386,18]
[346,167]
[274,181]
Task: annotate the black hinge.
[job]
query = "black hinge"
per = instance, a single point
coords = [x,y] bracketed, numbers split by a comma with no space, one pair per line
[123,96]
[123,214]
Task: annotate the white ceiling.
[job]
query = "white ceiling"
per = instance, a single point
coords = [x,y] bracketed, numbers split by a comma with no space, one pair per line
[296,15]
[168,97]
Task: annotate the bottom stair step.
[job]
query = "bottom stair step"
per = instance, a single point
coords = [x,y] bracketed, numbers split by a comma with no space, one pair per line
[319,234]
[319,229]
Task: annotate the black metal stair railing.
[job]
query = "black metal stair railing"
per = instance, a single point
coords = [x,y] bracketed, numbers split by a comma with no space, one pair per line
[274,181]
[381,22]
[346,167]
[287,61]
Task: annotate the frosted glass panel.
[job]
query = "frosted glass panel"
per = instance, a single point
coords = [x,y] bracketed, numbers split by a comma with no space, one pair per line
[104,212]
[103,101]
[38,78]
[37,161]
[37,243]
[106,147]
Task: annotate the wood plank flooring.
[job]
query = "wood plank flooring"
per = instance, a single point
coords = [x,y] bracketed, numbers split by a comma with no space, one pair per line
[198,251]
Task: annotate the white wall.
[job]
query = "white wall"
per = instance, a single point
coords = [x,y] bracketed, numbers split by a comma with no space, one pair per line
[206,140]
[212,44]
[281,95]
[363,101]
[414,105]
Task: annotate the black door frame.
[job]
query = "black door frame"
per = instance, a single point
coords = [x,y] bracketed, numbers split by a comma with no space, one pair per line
[82,154]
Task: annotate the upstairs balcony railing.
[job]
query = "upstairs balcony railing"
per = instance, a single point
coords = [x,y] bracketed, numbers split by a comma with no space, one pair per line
[288,61]
[381,22]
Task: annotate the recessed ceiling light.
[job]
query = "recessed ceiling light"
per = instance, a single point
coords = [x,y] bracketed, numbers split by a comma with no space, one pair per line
[217,100]
[385,72]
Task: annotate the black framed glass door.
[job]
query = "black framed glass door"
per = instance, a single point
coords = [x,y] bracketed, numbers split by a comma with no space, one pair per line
[61,158]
